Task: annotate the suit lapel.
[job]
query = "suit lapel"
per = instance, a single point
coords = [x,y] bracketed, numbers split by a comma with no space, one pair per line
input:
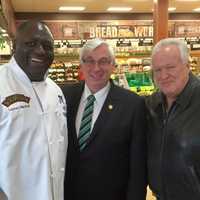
[74,108]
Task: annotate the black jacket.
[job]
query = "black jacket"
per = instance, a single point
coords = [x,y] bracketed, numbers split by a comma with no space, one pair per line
[174,145]
[113,164]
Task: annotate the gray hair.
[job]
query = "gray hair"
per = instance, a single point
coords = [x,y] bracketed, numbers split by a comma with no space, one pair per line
[184,52]
[93,44]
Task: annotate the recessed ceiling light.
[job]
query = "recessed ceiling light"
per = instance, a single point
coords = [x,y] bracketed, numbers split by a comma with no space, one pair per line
[119,9]
[5,34]
[71,8]
[196,10]
[171,9]
[138,0]
[2,30]
[187,1]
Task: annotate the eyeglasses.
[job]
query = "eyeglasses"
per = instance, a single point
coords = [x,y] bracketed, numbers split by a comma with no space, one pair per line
[100,62]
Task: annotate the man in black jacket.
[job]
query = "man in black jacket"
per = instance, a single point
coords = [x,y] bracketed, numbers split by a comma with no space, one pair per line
[174,126]
[109,161]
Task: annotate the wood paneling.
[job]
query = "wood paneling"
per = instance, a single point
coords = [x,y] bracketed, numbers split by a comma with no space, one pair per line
[84,16]
[160,17]
[9,16]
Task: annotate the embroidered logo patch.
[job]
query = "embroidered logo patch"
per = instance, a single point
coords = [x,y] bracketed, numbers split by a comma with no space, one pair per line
[14,99]
[60,98]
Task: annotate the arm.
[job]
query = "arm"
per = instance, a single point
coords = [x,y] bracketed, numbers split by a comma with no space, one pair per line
[138,154]
[3,123]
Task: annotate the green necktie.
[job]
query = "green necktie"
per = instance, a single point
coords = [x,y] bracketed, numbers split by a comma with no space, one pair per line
[86,122]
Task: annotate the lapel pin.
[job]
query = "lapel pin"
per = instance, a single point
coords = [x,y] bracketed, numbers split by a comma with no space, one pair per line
[110,107]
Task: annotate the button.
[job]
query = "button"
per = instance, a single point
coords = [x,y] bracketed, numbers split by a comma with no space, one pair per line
[50,142]
[58,113]
[52,175]
[62,169]
[61,139]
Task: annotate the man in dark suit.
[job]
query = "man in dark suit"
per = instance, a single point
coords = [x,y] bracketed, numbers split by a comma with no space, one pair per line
[108,162]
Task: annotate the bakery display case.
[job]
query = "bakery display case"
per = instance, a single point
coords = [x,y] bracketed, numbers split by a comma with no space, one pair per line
[132,63]
[5,46]
[132,42]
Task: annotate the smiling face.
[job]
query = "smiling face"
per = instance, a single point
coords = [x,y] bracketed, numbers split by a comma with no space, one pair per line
[97,66]
[34,50]
[170,74]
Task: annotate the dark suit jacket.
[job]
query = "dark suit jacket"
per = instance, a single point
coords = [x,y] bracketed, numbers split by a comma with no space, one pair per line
[113,164]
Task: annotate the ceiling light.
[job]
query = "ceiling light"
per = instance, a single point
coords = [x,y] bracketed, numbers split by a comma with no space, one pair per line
[187,1]
[5,34]
[171,9]
[2,30]
[119,9]
[196,10]
[138,0]
[71,8]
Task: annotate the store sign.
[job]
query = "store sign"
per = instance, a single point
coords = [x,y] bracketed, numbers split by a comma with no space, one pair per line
[121,43]
[192,40]
[121,31]
[195,46]
[74,45]
[111,29]
[142,31]
[104,32]
[145,42]
[187,29]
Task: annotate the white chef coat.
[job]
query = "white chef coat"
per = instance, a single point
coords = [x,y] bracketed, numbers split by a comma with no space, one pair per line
[33,137]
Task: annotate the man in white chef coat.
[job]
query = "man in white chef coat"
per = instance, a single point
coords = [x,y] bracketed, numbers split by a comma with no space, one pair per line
[33,127]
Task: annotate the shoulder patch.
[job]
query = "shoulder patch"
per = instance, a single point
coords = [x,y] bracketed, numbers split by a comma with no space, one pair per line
[9,100]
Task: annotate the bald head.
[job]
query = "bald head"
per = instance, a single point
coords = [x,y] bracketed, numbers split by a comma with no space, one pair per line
[33,49]
[32,26]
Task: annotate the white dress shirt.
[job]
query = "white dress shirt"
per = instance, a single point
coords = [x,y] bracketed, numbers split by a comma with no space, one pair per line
[100,97]
[33,137]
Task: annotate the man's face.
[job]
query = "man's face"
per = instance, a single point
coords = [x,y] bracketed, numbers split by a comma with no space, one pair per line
[97,67]
[34,51]
[170,74]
